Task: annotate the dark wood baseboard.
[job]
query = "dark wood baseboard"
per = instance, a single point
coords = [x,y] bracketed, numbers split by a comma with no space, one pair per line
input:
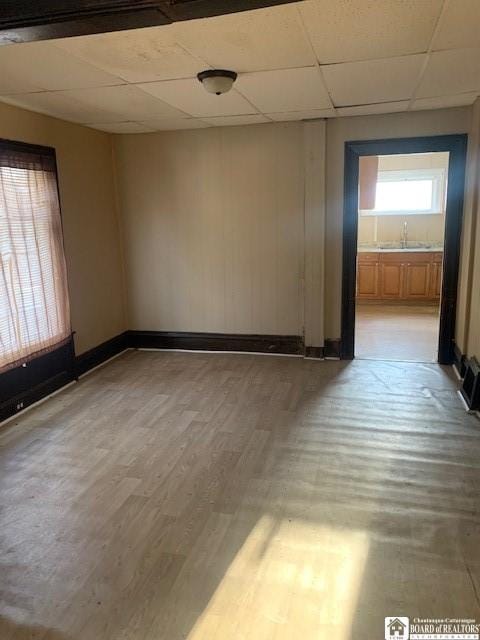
[459,361]
[23,387]
[34,379]
[315,352]
[470,389]
[333,348]
[62,367]
[23,400]
[292,345]
[93,357]
[288,345]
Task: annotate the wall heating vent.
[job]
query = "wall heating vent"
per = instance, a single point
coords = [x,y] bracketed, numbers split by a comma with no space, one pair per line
[471,384]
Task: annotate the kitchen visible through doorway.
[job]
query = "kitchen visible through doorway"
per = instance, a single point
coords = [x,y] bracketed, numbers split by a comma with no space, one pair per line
[400,248]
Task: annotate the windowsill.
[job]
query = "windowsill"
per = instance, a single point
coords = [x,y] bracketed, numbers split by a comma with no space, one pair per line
[364,213]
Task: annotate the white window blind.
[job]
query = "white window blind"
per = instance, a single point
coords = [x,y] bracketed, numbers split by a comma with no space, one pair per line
[34,305]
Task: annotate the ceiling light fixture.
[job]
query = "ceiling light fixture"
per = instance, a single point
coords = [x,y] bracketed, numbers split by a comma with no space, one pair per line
[217,81]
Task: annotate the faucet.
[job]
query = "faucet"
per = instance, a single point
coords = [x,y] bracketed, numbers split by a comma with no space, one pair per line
[405,235]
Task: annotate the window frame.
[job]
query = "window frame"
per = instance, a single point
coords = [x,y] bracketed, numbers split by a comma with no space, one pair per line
[437,175]
[41,373]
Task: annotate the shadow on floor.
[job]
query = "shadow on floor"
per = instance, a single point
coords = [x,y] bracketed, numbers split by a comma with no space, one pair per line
[229,497]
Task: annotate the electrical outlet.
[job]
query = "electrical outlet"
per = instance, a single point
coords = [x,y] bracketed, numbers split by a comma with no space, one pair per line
[19,406]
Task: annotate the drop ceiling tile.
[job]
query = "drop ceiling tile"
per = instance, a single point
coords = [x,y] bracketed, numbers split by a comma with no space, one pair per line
[168,124]
[373,81]
[444,102]
[229,121]
[349,30]
[60,106]
[271,38]
[311,114]
[127,102]
[285,90]
[122,127]
[370,109]
[459,26]
[137,55]
[451,72]
[189,96]
[36,66]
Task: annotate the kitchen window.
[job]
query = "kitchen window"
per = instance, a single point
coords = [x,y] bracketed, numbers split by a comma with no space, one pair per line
[409,192]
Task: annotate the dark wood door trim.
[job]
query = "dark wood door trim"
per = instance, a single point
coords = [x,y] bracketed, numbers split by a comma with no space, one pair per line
[456,145]
[29,20]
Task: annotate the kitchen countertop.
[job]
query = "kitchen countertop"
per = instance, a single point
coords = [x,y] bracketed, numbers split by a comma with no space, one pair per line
[400,249]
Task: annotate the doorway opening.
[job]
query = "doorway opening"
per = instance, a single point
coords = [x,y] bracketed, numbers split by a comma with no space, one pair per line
[402,224]
[400,242]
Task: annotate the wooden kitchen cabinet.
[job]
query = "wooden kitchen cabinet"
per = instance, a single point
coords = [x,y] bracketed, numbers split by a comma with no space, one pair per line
[367,279]
[417,280]
[391,277]
[399,275]
[436,279]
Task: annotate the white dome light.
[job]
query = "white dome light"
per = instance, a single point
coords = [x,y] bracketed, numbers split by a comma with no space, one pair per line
[217,81]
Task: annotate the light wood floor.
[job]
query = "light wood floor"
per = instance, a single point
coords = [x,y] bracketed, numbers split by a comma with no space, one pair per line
[397,332]
[237,497]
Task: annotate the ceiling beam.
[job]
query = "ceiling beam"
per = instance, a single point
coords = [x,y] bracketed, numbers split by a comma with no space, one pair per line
[30,20]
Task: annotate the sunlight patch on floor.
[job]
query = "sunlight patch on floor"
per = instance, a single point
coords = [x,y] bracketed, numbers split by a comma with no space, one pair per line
[289,579]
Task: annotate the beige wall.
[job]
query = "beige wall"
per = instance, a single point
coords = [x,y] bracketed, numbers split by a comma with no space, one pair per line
[235,229]
[90,224]
[214,228]
[224,229]
[468,307]
[340,130]
[421,228]
[218,230]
